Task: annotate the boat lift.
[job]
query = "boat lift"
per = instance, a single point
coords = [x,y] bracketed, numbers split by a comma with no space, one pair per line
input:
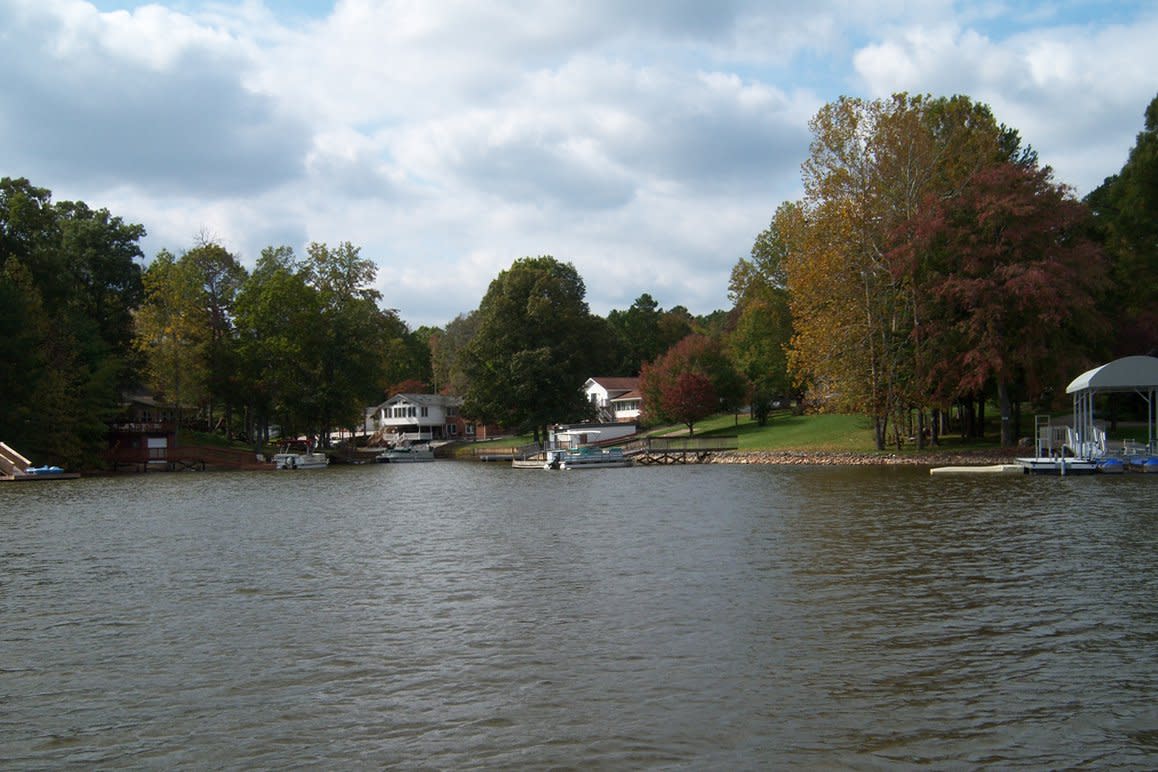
[1137,374]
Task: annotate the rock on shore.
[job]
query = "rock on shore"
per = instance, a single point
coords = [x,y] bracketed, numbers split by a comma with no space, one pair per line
[831,458]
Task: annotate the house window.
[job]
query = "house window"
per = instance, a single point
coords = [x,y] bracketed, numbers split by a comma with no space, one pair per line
[452,429]
[425,412]
[452,411]
[470,430]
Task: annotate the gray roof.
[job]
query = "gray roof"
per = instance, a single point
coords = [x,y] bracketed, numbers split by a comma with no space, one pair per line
[1137,373]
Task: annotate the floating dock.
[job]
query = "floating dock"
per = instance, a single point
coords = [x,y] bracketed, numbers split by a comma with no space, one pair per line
[991,469]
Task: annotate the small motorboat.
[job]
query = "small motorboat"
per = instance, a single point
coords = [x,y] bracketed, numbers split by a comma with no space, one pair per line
[405,454]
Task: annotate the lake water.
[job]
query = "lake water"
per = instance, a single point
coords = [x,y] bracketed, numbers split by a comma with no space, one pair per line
[462,615]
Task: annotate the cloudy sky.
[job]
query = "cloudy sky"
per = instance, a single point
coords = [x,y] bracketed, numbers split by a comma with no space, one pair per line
[647,142]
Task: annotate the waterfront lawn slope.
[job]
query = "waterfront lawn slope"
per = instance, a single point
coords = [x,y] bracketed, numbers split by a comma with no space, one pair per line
[785,431]
[820,435]
[830,438]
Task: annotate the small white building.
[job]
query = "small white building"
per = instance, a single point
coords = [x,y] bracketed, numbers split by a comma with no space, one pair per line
[422,418]
[616,399]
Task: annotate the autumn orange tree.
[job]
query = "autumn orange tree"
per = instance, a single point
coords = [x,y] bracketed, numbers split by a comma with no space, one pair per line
[872,166]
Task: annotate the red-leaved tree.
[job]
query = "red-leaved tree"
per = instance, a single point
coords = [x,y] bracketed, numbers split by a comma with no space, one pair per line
[1008,285]
[692,381]
[689,398]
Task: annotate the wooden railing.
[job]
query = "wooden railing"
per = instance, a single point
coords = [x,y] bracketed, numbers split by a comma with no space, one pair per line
[682,444]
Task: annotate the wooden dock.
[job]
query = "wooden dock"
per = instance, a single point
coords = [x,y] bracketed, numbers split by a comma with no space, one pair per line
[646,451]
[679,450]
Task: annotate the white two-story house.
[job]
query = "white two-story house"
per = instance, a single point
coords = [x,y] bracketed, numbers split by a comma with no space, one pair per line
[422,418]
[616,399]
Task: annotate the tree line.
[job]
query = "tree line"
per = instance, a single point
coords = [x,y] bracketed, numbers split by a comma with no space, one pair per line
[931,263]
[934,261]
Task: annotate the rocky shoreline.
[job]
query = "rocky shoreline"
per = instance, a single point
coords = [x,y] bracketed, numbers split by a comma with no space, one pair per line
[838,458]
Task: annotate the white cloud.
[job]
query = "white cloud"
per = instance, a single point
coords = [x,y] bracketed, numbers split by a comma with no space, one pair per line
[148,98]
[648,143]
[1074,92]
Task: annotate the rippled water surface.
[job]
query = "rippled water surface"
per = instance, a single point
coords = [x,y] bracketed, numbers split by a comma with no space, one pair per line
[456,615]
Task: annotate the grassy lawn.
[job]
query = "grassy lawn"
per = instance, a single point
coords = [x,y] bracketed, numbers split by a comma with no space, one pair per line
[801,432]
[824,432]
[788,432]
[785,431]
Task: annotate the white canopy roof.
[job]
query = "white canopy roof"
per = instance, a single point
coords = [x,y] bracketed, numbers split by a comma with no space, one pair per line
[1138,373]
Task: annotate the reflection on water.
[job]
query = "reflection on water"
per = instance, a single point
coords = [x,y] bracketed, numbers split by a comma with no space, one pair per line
[452,615]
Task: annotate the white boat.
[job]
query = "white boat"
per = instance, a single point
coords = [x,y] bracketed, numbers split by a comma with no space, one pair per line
[586,458]
[300,460]
[405,454]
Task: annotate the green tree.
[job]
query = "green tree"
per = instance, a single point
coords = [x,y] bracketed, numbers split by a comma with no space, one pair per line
[218,277]
[447,354]
[100,251]
[24,333]
[68,285]
[279,344]
[645,331]
[761,325]
[532,349]
[406,357]
[1126,206]
[638,332]
[172,334]
[358,334]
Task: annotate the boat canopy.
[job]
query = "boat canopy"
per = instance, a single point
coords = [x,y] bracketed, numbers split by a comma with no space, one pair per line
[1138,374]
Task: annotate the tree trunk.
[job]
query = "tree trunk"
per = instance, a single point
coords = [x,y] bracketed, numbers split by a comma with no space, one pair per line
[1016,420]
[880,429]
[1007,428]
